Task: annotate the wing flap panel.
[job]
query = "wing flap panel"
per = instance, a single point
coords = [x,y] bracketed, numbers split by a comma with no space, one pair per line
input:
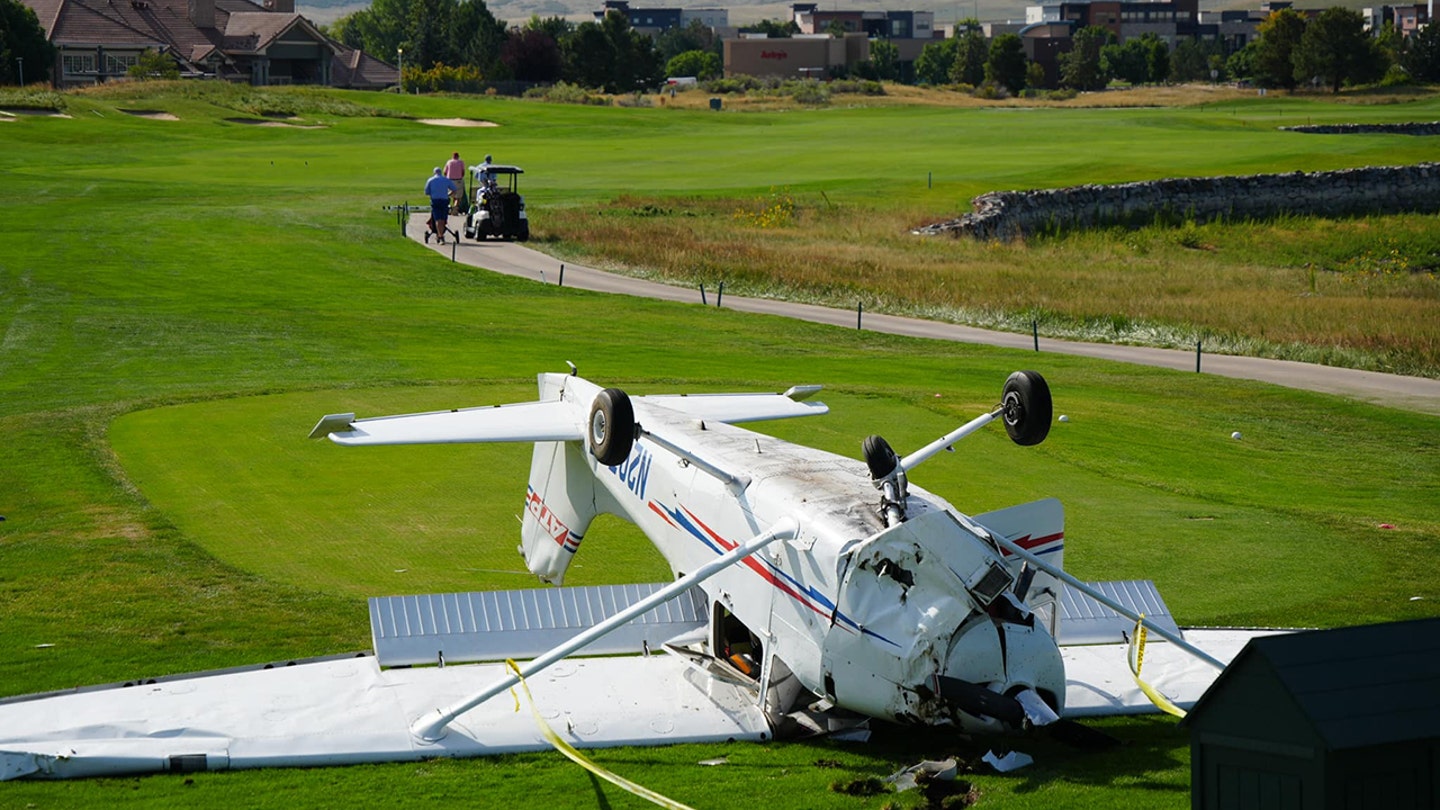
[495,625]
[738,408]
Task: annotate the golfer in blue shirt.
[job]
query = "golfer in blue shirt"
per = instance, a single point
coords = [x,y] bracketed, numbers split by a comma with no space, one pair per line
[439,188]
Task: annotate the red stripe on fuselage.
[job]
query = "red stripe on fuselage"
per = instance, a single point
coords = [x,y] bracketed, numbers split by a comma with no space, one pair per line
[661,512]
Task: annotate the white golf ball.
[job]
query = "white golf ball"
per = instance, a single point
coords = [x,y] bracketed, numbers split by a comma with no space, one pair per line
[1064,418]
[1235,435]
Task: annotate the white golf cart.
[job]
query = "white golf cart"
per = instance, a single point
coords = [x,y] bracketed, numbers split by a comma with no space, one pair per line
[496,208]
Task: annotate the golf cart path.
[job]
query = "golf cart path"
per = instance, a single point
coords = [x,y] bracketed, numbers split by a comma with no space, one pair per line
[1392,390]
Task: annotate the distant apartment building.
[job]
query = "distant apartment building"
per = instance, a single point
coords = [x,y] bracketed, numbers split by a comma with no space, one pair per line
[1167,20]
[908,31]
[1408,20]
[877,24]
[657,20]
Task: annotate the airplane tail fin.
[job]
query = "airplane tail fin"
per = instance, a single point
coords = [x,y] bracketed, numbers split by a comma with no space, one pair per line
[560,503]
[562,496]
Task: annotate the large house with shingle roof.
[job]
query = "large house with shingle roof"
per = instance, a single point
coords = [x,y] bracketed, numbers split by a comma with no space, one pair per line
[232,40]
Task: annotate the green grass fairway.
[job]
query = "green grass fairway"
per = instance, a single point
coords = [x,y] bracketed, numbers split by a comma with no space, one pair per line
[180,301]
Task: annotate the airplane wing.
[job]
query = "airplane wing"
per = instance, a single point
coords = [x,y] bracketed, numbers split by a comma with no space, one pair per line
[347,710]
[555,421]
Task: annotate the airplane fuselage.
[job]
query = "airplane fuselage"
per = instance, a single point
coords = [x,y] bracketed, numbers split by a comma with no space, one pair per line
[868,615]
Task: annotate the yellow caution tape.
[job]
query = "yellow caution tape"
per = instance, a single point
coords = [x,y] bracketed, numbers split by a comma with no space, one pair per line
[1136,659]
[578,758]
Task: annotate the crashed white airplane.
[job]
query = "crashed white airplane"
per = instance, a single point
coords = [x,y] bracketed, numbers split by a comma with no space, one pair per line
[809,589]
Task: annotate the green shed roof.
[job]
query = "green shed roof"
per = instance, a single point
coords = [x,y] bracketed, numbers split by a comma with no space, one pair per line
[1355,686]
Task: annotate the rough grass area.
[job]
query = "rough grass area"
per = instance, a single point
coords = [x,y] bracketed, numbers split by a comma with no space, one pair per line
[262,101]
[1362,293]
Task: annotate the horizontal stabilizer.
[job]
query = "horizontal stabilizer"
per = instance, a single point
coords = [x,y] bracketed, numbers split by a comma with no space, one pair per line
[496,625]
[555,421]
[737,408]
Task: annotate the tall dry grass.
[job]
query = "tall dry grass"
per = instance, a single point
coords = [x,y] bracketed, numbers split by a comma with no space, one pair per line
[1360,292]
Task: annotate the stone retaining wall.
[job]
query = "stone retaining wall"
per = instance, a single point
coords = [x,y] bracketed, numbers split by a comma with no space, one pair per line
[1348,192]
[1432,128]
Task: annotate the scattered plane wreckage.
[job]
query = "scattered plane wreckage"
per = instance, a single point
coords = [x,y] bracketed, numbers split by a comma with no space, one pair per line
[809,590]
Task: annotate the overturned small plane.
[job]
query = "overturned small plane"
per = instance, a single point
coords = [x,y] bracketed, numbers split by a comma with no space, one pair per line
[809,590]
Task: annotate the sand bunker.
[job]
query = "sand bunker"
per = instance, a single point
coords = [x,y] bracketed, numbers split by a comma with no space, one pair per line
[262,122]
[12,112]
[456,122]
[153,115]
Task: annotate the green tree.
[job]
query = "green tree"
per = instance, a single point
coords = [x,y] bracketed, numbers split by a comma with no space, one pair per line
[152,64]
[884,61]
[693,37]
[1157,58]
[703,65]
[557,28]
[427,33]
[1006,63]
[380,30]
[1421,56]
[1126,62]
[1391,42]
[587,55]
[775,29]
[1336,49]
[1080,68]
[22,38]
[531,55]
[1243,64]
[1193,59]
[476,37]
[935,61]
[637,64]
[612,56]
[1277,37]
[970,57]
[451,32]
[1034,75]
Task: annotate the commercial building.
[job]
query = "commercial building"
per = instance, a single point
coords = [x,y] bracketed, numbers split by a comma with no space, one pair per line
[814,56]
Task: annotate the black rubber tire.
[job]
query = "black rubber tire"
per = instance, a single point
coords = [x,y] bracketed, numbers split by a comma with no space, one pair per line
[611,428]
[524,235]
[879,457]
[1026,408]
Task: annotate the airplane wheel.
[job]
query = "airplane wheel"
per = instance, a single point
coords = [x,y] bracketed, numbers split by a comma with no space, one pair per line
[1026,408]
[612,427]
[879,457]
